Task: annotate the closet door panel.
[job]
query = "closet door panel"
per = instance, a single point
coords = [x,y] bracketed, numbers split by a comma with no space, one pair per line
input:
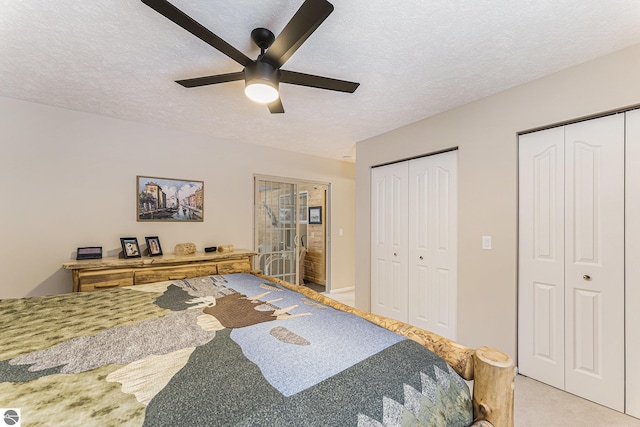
[445,311]
[389,240]
[445,252]
[397,251]
[433,243]
[378,241]
[541,256]
[422,304]
[632,254]
[594,267]
[545,299]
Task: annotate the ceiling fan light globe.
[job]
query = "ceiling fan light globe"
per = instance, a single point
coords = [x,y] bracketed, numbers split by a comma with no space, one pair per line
[261,92]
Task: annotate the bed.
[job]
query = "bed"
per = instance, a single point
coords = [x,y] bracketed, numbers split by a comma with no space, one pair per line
[240,350]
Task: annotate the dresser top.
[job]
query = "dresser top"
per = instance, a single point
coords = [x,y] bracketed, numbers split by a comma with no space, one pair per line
[168,259]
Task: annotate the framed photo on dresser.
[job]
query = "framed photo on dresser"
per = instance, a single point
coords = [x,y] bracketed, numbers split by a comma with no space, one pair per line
[153,246]
[130,248]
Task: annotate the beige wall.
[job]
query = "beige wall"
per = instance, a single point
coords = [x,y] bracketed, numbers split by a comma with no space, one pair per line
[486,134]
[315,260]
[68,180]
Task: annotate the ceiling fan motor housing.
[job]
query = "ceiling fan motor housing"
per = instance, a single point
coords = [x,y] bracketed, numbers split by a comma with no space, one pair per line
[262,72]
[256,75]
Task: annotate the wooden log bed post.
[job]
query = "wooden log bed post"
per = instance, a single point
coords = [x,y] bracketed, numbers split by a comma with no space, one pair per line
[492,371]
[493,386]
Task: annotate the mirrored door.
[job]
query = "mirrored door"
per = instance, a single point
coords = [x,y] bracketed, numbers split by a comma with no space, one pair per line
[291,230]
[276,229]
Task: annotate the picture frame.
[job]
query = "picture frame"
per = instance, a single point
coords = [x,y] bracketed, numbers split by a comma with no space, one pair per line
[89,252]
[315,215]
[153,245]
[169,199]
[130,247]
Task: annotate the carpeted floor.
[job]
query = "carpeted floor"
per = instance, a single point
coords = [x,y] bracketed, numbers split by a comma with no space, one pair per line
[537,404]
[315,286]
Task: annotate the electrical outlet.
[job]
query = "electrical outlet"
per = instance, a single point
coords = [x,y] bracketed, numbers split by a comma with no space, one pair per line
[486,242]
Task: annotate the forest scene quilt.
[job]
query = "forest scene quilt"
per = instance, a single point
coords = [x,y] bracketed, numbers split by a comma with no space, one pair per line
[230,350]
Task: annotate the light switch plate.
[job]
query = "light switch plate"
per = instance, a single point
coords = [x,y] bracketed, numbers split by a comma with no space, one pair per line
[486,242]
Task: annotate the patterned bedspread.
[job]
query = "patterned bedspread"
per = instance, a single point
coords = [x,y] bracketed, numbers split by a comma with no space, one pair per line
[215,351]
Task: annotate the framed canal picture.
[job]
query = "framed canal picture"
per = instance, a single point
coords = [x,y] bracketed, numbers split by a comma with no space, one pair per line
[169,199]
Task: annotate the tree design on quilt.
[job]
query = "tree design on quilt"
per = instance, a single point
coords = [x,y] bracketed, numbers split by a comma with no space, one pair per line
[434,405]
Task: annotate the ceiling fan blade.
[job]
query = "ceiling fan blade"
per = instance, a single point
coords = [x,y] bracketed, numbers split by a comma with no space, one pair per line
[212,80]
[174,14]
[309,17]
[319,82]
[276,106]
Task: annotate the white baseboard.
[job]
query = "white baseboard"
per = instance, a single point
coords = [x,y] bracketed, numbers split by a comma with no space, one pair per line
[342,290]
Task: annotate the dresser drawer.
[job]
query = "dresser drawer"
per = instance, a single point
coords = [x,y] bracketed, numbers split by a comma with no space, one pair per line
[160,274]
[105,279]
[235,266]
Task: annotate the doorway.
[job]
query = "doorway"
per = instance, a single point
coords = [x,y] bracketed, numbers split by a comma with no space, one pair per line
[290,230]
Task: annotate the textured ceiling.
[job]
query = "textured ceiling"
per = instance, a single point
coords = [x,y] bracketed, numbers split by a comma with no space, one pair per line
[414,59]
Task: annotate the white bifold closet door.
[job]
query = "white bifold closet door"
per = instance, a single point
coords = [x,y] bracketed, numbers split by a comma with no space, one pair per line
[571,259]
[389,235]
[433,243]
[414,242]
[541,256]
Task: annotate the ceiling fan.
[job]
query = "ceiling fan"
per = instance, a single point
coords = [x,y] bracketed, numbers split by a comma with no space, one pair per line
[263,75]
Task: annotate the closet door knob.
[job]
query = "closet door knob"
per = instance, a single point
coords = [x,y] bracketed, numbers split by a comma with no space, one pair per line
[586,277]
[421,257]
[395,254]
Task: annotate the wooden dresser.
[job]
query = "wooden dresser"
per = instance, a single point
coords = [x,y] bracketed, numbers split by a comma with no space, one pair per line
[112,272]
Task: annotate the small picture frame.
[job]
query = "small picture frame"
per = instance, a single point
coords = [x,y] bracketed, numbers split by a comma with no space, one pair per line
[315,215]
[130,248]
[89,252]
[153,245]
